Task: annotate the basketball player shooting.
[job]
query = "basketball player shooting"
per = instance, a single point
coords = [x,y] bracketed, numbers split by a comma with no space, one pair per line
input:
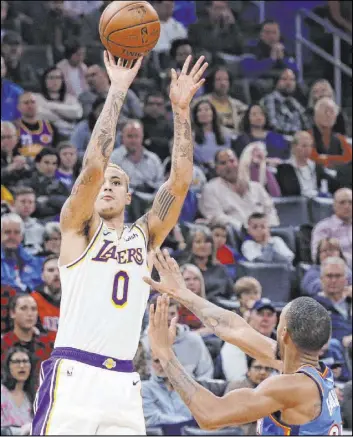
[89,386]
[300,401]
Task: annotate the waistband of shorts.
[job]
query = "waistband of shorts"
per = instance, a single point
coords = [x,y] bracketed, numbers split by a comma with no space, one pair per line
[95,360]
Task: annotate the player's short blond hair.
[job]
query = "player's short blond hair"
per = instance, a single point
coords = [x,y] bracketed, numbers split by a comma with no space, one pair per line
[127,179]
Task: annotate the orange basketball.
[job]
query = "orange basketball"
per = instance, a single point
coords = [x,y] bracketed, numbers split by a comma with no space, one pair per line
[129,29]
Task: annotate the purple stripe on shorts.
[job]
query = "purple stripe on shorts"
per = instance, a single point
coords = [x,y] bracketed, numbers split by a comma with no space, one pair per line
[95,360]
[44,397]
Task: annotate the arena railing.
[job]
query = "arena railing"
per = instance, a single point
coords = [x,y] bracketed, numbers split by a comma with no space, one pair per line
[337,35]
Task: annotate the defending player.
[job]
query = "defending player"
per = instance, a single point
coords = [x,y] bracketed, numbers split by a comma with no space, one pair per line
[88,386]
[300,401]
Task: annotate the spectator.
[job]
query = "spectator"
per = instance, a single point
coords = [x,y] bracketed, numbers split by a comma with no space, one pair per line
[19,72]
[263,318]
[10,21]
[319,89]
[188,346]
[218,31]
[99,83]
[24,316]
[73,68]
[90,24]
[19,268]
[144,168]
[254,126]
[330,148]
[300,176]
[170,28]
[162,405]
[10,93]
[256,374]
[229,109]
[225,254]
[200,250]
[180,49]
[34,133]
[24,206]
[67,169]
[338,226]
[55,28]
[238,200]
[260,246]
[81,8]
[194,281]
[269,54]
[82,133]
[253,167]
[158,130]
[51,193]
[328,247]
[248,291]
[332,354]
[335,300]
[286,114]
[51,240]
[209,134]
[17,388]
[55,104]
[14,167]
[48,296]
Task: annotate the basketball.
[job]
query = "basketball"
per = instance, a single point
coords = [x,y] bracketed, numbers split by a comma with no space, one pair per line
[129,29]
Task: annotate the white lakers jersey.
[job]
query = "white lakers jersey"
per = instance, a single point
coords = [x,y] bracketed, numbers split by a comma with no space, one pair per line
[104,296]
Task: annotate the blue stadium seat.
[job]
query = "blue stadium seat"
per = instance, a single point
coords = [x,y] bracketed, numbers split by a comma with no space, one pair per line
[287,234]
[188,430]
[155,430]
[292,211]
[320,208]
[275,279]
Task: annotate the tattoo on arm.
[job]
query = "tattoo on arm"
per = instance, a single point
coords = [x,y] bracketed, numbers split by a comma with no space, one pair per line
[182,382]
[103,136]
[183,150]
[163,203]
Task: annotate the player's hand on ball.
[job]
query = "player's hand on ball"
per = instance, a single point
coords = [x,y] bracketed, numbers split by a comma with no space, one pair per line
[161,336]
[123,72]
[184,86]
[171,279]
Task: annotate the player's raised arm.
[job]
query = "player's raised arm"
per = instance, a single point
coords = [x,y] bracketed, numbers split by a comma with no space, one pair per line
[225,324]
[238,406]
[170,197]
[78,210]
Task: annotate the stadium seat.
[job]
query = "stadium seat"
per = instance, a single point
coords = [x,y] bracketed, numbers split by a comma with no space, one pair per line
[94,54]
[275,279]
[302,268]
[320,208]
[287,234]
[292,211]
[228,304]
[155,430]
[189,430]
[39,56]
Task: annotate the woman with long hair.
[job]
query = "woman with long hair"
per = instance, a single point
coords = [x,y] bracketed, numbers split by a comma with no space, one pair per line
[209,133]
[17,388]
[311,282]
[56,104]
[253,167]
[200,251]
[319,89]
[254,126]
[194,281]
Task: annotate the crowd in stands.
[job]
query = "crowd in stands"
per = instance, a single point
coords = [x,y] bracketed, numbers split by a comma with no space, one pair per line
[268,216]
